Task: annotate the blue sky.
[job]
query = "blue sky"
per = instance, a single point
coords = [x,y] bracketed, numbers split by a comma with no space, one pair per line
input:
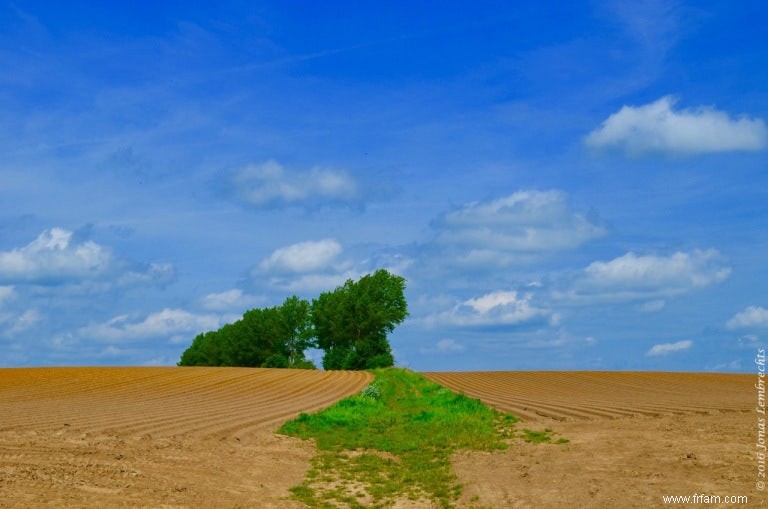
[565,185]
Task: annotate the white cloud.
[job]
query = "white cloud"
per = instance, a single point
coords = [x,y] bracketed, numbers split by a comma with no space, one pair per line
[514,228]
[667,348]
[303,257]
[500,308]
[58,256]
[643,276]
[753,316]
[166,323]
[655,127]
[269,184]
[491,301]
[54,255]
[229,300]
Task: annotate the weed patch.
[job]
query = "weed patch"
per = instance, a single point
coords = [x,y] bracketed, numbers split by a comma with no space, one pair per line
[394,441]
[540,437]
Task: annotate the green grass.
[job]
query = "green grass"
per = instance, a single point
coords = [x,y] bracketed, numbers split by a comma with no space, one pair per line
[395,440]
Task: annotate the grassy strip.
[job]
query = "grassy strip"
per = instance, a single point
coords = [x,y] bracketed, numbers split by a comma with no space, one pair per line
[395,440]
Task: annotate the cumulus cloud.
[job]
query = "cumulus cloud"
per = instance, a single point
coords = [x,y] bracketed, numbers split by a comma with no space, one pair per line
[271,185]
[513,228]
[166,323]
[303,257]
[645,276]
[751,317]
[667,348]
[53,256]
[500,308]
[58,256]
[656,127]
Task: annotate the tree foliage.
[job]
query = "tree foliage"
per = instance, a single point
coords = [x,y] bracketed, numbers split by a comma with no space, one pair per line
[350,323]
[269,337]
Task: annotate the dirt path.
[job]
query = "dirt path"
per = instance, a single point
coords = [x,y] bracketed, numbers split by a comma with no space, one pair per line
[157,437]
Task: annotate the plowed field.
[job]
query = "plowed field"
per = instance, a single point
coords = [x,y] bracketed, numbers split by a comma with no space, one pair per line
[577,395]
[634,438]
[156,437]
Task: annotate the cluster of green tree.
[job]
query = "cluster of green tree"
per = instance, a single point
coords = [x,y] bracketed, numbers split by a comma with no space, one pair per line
[273,337]
[349,323]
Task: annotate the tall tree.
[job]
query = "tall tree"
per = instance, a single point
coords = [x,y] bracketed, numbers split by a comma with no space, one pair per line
[351,323]
[295,328]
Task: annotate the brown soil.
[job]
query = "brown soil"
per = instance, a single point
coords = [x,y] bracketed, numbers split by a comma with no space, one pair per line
[203,437]
[634,437]
[157,437]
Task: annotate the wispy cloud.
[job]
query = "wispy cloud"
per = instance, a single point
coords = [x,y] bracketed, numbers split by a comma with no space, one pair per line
[656,127]
[270,185]
[444,346]
[6,293]
[166,323]
[653,24]
[751,317]
[229,300]
[17,324]
[313,283]
[668,348]
[652,306]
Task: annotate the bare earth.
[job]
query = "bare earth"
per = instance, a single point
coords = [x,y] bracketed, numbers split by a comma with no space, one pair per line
[203,437]
[634,437]
[157,437]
